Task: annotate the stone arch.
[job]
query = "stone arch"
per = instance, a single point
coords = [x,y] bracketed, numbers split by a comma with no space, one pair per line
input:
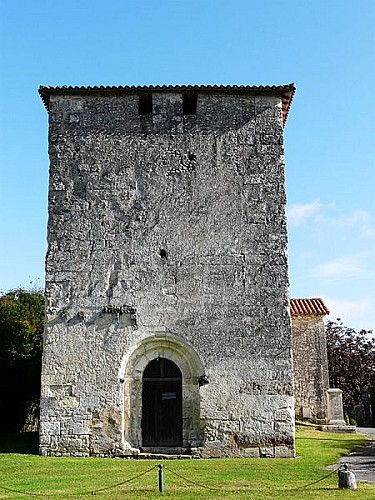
[134,362]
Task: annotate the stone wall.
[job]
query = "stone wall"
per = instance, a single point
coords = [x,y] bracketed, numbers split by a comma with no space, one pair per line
[311,380]
[167,238]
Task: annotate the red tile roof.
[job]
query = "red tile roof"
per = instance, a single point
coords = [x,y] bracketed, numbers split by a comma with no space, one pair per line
[286,92]
[305,307]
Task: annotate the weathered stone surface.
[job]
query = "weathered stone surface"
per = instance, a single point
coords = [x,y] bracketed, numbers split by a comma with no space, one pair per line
[180,218]
[335,408]
[310,368]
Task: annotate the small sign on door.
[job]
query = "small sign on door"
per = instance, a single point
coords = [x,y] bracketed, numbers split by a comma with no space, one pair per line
[168,395]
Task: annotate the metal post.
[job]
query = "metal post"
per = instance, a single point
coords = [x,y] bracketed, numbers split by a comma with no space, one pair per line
[161,479]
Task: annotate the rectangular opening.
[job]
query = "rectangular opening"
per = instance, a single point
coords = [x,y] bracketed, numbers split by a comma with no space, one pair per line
[145,104]
[189,103]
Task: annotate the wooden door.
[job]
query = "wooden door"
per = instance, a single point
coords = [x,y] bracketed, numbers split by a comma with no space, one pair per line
[162,404]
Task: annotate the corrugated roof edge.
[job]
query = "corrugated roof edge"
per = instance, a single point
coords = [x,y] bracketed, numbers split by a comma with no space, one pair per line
[305,307]
[285,91]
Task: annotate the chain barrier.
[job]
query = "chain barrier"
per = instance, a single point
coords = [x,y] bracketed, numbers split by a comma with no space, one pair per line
[194,482]
[321,479]
[200,485]
[21,491]
[245,487]
[94,492]
[90,492]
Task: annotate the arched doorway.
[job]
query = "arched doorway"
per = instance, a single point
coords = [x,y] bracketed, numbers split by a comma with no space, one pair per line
[162,404]
[133,365]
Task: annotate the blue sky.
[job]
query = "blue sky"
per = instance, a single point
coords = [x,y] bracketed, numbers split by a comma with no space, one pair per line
[326,47]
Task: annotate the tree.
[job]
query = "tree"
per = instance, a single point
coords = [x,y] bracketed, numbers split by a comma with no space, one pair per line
[351,360]
[21,339]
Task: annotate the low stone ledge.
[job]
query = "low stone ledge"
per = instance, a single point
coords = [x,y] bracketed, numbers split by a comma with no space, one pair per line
[337,428]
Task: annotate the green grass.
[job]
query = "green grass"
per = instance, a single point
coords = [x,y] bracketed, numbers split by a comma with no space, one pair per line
[257,479]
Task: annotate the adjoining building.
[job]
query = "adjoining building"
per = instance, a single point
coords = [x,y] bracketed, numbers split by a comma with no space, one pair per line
[311,380]
[314,399]
[167,325]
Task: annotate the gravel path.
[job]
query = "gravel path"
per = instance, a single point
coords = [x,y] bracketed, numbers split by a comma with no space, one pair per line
[362,462]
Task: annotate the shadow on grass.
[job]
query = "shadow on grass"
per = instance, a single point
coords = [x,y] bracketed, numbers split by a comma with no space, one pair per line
[23,443]
[337,439]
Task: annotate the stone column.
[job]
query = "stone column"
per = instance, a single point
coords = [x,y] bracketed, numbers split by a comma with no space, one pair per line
[335,407]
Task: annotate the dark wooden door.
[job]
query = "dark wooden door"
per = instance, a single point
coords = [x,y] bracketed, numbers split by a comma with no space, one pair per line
[162,404]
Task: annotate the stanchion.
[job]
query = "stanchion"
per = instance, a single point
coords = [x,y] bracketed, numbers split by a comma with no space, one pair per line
[161,479]
[347,478]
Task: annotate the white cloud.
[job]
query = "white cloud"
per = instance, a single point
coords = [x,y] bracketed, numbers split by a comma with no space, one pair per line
[355,313]
[359,219]
[346,266]
[329,216]
[334,255]
[300,212]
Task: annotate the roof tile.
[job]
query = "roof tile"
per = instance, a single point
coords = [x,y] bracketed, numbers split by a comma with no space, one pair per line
[285,91]
[305,307]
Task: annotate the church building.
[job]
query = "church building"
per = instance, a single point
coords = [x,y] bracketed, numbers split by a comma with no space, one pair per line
[167,325]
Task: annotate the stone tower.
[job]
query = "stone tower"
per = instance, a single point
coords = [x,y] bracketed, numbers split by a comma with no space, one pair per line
[168,324]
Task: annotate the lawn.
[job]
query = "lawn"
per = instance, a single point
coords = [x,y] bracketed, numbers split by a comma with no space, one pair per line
[68,478]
